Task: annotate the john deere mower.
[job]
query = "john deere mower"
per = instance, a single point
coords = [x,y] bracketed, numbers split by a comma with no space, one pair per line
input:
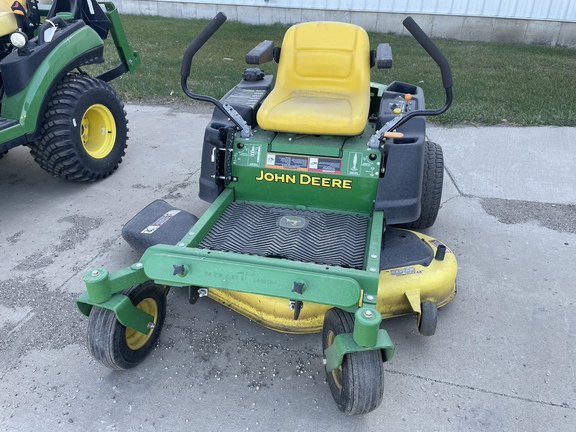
[73,123]
[316,181]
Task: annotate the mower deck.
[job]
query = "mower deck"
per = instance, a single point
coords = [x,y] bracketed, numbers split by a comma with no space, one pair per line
[414,275]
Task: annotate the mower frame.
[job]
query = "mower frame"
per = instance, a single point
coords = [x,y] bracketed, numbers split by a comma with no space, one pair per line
[233,173]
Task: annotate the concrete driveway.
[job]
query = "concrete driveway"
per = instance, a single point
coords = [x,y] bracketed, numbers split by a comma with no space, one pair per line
[502,358]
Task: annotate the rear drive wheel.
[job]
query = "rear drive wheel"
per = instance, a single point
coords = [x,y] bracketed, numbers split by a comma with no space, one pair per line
[118,347]
[358,384]
[84,133]
[432,182]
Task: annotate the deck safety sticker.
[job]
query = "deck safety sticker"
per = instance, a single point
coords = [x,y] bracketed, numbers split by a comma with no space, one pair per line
[160,221]
[304,163]
[403,271]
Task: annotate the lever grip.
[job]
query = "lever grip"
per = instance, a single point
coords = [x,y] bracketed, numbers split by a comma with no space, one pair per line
[200,40]
[431,49]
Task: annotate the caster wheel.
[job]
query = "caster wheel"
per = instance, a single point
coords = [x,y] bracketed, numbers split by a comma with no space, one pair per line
[428,318]
[118,347]
[358,384]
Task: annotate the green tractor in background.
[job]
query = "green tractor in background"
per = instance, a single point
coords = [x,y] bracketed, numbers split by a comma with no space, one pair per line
[74,124]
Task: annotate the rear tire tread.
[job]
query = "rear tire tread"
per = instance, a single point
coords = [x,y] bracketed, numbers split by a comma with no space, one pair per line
[58,151]
[432,184]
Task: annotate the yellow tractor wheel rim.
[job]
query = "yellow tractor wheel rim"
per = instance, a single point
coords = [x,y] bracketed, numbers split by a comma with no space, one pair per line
[98,131]
[336,373]
[134,339]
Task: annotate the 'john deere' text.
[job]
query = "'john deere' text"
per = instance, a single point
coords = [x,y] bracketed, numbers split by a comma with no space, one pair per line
[304,179]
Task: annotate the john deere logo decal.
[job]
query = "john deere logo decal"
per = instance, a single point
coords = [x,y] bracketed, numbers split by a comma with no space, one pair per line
[293,222]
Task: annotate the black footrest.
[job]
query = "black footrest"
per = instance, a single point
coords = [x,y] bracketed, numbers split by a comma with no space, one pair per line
[300,235]
[157,223]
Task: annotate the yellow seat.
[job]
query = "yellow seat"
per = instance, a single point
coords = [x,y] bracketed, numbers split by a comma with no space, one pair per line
[8,22]
[323,81]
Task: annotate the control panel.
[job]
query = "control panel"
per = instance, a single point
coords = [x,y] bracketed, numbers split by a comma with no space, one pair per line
[400,104]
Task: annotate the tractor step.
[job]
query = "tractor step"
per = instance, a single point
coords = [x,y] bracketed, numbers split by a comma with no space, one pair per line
[6,123]
[326,238]
[11,138]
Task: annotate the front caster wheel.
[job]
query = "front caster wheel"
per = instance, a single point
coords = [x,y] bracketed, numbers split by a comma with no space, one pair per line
[118,347]
[358,384]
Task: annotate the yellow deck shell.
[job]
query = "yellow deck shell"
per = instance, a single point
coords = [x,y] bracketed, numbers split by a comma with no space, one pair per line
[400,292]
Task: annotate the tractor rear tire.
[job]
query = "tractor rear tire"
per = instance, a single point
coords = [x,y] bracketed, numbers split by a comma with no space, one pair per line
[432,183]
[84,131]
[118,347]
[357,386]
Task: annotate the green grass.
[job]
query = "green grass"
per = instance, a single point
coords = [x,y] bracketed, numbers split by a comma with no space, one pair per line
[494,83]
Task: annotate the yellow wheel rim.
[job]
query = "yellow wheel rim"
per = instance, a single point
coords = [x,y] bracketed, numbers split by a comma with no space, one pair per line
[336,373]
[98,131]
[134,339]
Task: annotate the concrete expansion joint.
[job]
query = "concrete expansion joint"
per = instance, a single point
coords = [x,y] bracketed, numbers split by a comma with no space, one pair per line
[453,180]
[564,405]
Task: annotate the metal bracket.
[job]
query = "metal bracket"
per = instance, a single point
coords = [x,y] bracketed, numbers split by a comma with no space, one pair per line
[239,120]
[415,303]
[296,306]
[195,293]
[127,314]
[344,344]
[374,141]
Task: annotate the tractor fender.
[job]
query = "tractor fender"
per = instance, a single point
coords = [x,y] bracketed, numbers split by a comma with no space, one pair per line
[79,48]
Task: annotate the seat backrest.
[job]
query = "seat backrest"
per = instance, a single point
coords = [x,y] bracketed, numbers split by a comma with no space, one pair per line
[323,81]
[322,57]
[8,22]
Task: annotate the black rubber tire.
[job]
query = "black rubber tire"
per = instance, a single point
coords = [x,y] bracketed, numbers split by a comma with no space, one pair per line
[62,149]
[432,183]
[358,385]
[428,318]
[107,338]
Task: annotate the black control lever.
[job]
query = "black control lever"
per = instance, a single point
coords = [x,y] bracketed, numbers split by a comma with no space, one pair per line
[199,41]
[431,49]
[445,70]
[192,49]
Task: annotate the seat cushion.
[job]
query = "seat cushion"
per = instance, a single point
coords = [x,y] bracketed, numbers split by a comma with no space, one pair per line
[323,81]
